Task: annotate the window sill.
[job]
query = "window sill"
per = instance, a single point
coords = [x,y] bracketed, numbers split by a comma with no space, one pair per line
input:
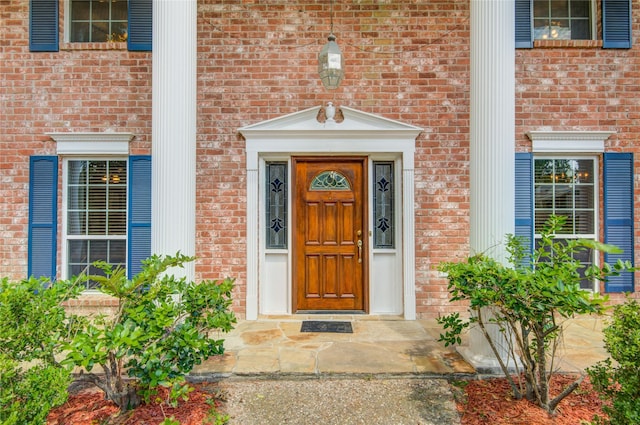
[94,46]
[92,298]
[576,44]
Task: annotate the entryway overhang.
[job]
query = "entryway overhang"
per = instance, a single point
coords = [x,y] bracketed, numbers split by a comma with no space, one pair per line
[301,133]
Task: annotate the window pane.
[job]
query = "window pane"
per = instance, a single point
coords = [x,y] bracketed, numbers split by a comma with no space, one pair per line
[118,252]
[100,10]
[80,32]
[584,197]
[119,31]
[585,223]
[76,198]
[78,251]
[584,171]
[563,196]
[560,8]
[276,208]
[98,251]
[80,10]
[100,32]
[97,223]
[77,172]
[541,217]
[544,196]
[580,30]
[119,10]
[543,171]
[76,223]
[383,193]
[97,198]
[580,9]
[117,223]
[541,8]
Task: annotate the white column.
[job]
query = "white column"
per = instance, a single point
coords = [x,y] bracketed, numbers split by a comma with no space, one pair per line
[174,129]
[492,142]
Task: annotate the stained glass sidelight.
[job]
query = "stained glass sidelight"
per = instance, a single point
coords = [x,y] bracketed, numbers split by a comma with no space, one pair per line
[383,222]
[276,207]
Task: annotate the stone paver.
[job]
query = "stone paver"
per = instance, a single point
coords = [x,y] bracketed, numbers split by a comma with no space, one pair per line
[377,346]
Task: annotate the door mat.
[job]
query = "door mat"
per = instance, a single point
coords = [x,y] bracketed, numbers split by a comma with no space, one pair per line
[326,326]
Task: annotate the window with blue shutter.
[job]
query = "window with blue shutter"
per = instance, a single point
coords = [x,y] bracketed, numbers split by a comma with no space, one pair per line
[524,199]
[573,23]
[139,213]
[43,217]
[616,24]
[87,25]
[140,25]
[618,216]
[43,25]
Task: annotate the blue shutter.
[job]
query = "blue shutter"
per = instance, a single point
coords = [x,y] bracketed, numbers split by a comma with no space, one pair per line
[616,24]
[139,225]
[524,37]
[618,215]
[524,199]
[140,25]
[43,217]
[43,25]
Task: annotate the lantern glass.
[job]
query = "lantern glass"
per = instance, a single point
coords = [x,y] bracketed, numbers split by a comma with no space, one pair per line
[331,64]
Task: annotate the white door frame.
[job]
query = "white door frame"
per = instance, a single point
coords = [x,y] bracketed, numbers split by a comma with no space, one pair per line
[301,133]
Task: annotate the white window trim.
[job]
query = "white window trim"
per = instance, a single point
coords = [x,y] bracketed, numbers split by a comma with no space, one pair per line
[92,143]
[568,142]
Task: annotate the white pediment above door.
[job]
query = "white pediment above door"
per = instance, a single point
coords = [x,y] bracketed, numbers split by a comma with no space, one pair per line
[355,124]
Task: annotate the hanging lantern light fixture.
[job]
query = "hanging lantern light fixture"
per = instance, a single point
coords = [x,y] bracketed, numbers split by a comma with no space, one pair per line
[331,61]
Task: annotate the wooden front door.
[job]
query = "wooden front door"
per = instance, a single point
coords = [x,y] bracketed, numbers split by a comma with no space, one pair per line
[329,222]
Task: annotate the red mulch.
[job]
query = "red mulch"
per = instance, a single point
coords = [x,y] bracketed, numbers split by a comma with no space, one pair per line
[89,407]
[479,402]
[491,402]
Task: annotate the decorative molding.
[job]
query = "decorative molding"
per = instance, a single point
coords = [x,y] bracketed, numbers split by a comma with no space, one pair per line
[568,141]
[93,143]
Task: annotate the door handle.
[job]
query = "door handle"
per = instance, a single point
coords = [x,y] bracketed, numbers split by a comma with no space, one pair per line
[359,250]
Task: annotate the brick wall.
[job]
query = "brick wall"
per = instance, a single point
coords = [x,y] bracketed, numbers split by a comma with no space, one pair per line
[405,60]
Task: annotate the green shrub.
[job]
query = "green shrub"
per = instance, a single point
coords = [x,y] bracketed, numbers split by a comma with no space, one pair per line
[527,302]
[158,334]
[33,329]
[27,395]
[618,381]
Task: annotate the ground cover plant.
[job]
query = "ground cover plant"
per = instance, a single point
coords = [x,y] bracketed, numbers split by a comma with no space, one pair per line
[527,300]
[617,378]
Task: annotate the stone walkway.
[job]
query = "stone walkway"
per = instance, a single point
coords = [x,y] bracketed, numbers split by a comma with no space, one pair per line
[378,345]
[388,371]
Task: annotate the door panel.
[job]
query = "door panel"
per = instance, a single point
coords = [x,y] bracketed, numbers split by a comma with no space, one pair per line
[329,248]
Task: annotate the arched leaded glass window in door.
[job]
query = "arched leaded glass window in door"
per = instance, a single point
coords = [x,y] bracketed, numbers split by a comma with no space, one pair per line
[330,180]
[276,208]
[383,199]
